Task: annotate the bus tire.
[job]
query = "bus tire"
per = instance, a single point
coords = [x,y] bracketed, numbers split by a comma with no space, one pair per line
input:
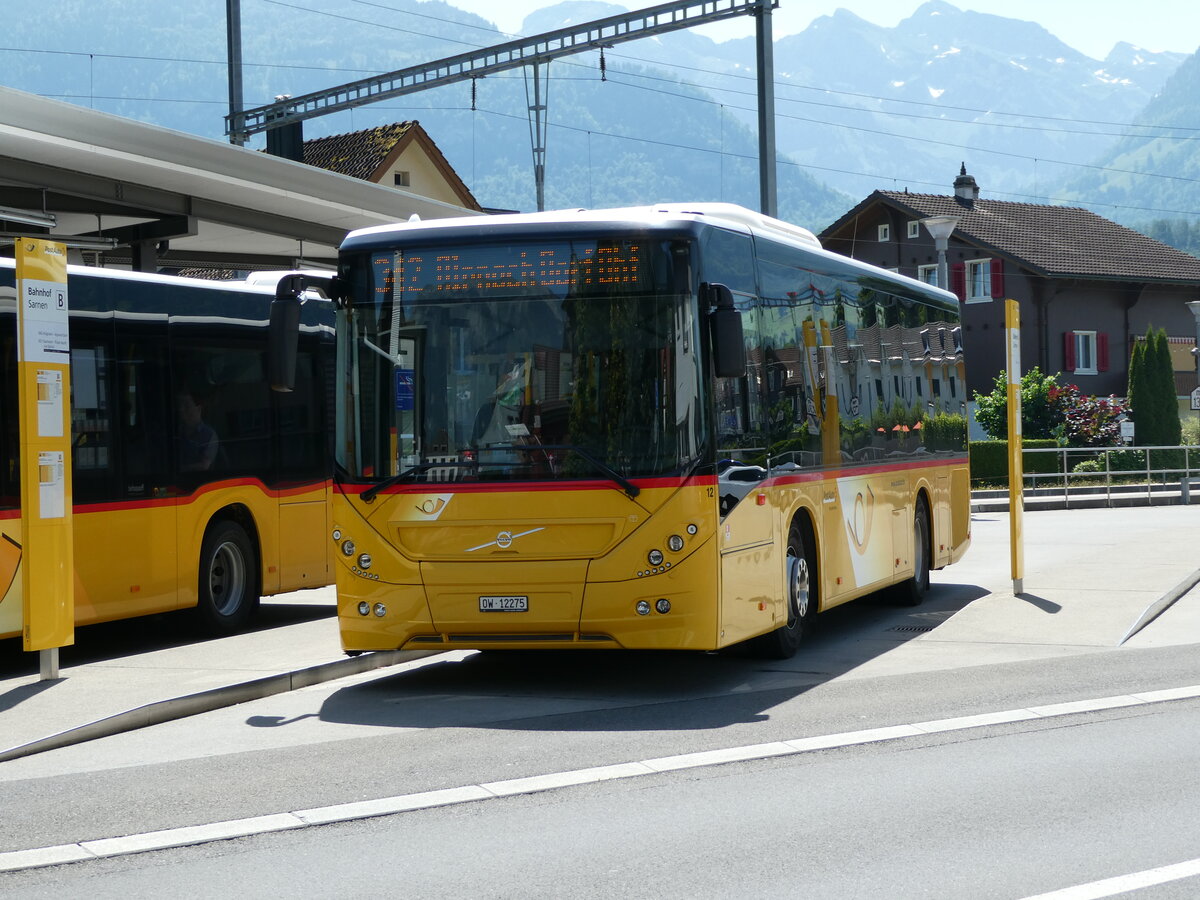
[228,594]
[800,583]
[913,591]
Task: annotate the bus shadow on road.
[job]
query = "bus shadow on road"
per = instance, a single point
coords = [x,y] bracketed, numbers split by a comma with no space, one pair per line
[608,690]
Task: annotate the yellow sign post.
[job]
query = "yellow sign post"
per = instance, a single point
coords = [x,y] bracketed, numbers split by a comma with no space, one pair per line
[1016,474]
[44,384]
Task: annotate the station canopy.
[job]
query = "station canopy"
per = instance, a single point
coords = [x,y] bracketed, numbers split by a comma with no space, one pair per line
[150,198]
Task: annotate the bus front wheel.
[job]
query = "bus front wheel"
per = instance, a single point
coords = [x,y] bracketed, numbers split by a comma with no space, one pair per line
[801,595]
[228,593]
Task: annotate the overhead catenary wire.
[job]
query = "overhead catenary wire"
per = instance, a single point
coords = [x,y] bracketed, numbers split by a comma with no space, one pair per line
[709,87]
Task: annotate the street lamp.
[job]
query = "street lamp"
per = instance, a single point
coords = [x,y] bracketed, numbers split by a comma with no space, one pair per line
[941,227]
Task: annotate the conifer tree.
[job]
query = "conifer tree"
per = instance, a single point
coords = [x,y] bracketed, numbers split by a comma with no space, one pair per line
[1168,427]
[1139,409]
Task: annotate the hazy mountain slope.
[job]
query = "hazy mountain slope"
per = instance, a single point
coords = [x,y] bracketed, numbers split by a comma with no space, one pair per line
[858,106]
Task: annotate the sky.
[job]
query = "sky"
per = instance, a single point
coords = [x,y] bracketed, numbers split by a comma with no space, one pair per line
[1089,26]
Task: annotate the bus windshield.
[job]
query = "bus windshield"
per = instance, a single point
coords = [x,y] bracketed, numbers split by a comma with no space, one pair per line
[543,359]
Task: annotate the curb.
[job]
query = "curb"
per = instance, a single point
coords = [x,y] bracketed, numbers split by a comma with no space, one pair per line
[1161,605]
[216,698]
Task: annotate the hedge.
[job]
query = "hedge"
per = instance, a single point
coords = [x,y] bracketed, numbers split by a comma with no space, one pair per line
[989,459]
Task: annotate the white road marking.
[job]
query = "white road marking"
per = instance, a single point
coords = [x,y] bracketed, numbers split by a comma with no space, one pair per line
[1122,884]
[17,860]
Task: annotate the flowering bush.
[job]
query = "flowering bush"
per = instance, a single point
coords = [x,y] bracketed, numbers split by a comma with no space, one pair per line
[1086,421]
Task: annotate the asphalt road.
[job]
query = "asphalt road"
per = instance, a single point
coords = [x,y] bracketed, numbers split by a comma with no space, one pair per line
[1006,811]
[445,723]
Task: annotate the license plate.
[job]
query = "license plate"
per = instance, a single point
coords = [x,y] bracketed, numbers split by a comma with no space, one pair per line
[504,604]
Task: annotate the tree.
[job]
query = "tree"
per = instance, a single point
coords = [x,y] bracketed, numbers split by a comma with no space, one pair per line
[1152,401]
[1038,414]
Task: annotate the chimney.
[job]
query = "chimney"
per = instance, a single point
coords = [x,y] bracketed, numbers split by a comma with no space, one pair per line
[965,188]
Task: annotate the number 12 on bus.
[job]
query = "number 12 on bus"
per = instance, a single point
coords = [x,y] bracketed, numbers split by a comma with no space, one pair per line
[673,428]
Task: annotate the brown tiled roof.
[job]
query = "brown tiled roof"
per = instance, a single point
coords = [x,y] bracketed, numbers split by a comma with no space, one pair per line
[1058,241]
[369,153]
[357,154]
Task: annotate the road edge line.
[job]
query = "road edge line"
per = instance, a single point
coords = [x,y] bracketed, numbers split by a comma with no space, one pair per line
[191,835]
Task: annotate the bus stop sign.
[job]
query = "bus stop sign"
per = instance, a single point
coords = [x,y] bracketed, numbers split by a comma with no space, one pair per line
[1196,398]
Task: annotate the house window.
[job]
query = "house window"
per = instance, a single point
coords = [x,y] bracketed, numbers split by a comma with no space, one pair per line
[979,281]
[885,232]
[914,228]
[928,274]
[401,179]
[1085,352]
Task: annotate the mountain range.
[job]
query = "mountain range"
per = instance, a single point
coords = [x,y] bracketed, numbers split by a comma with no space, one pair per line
[858,106]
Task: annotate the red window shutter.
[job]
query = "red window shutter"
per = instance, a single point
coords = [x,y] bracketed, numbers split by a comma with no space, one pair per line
[1069,351]
[997,268]
[1101,351]
[958,279]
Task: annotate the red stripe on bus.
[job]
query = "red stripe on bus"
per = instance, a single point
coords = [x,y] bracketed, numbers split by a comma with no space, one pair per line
[477,487]
[185,499]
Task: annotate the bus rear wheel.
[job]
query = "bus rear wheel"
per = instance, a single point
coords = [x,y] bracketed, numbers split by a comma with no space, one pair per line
[913,591]
[800,587]
[228,593]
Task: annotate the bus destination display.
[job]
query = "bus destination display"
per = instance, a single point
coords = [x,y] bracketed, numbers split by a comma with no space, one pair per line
[557,269]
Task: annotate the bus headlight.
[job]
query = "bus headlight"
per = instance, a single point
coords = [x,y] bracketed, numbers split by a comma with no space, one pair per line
[364,608]
[347,548]
[643,607]
[655,557]
[364,560]
[380,610]
[663,605]
[674,543]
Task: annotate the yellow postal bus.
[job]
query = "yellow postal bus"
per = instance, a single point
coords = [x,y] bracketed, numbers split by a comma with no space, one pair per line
[194,485]
[675,427]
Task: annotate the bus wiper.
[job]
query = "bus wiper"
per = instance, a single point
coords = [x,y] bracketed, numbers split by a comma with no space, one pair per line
[369,494]
[631,489]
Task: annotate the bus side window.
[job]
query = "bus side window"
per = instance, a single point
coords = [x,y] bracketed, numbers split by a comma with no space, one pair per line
[93,387]
[10,490]
[145,417]
[302,427]
[728,258]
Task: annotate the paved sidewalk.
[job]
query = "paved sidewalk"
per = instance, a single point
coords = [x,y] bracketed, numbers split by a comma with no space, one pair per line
[1091,578]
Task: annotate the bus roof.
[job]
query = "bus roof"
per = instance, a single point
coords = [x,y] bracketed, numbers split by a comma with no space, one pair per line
[664,215]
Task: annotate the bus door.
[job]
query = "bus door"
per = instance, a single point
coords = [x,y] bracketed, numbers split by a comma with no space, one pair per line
[303,460]
[125,515]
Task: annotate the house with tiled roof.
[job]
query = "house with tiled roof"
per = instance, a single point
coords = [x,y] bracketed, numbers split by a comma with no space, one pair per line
[401,155]
[1088,288]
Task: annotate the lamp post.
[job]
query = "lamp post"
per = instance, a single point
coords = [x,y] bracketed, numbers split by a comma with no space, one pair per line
[941,227]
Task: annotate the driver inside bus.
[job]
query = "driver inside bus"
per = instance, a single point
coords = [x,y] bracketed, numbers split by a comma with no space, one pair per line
[198,443]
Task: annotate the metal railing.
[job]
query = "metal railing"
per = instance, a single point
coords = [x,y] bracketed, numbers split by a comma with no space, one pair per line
[1123,469]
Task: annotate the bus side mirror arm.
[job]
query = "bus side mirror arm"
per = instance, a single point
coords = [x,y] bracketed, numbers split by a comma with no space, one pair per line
[725,331]
[284,334]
